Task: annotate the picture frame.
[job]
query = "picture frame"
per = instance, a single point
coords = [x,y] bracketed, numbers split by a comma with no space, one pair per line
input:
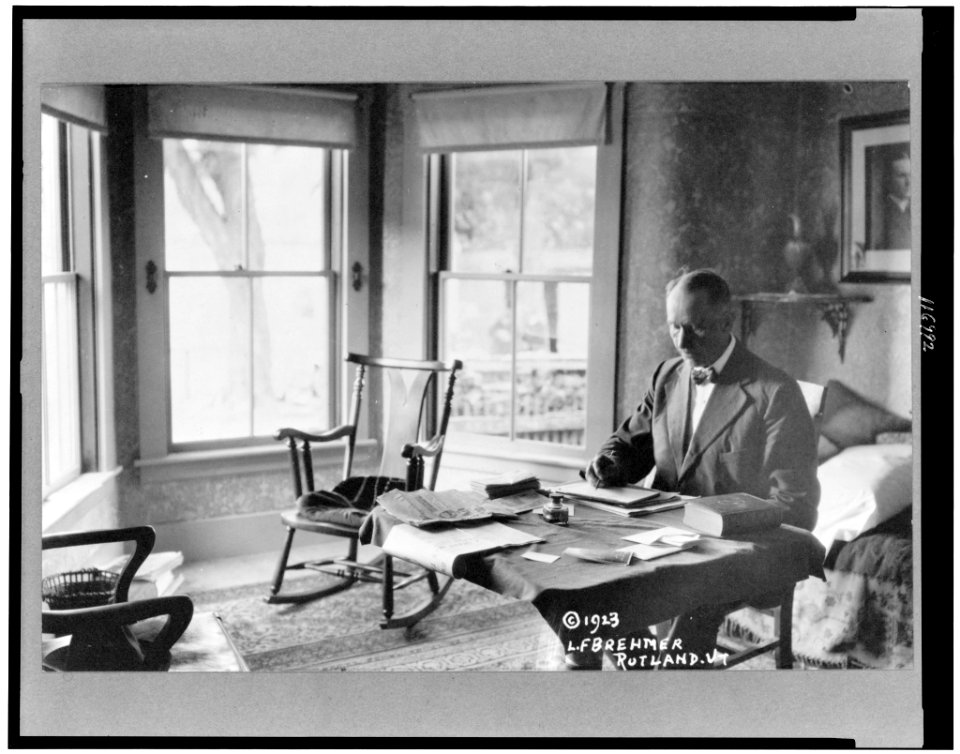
[876,202]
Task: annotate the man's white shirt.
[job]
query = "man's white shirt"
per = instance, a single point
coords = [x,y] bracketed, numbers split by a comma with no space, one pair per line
[701,393]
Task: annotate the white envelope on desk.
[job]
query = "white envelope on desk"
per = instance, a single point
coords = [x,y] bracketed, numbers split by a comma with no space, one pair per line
[667,535]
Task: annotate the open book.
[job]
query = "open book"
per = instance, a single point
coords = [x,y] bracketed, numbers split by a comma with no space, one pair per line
[446,550]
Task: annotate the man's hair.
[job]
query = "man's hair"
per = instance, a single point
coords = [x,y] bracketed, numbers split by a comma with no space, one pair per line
[709,281]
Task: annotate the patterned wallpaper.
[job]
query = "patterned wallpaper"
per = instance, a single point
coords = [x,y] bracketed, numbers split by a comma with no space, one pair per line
[713,172]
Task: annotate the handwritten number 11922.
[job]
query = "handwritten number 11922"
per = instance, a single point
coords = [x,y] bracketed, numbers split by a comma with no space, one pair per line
[928,325]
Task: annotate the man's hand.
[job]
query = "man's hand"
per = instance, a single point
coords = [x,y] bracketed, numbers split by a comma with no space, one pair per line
[602,471]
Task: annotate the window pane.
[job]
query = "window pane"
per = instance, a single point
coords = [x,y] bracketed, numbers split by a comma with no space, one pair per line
[552,361]
[61,382]
[209,358]
[485,212]
[203,205]
[291,354]
[559,209]
[286,200]
[51,241]
[478,329]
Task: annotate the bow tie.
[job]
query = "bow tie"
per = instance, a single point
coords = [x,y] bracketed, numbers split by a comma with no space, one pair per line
[703,375]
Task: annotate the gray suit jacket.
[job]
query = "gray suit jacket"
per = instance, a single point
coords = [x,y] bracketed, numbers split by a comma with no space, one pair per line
[755,436]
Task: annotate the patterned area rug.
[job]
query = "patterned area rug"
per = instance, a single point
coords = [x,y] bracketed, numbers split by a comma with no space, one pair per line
[473,629]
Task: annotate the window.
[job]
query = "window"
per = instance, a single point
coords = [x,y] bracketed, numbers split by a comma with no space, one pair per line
[244,209]
[524,185]
[515,290]
[250,288]
[70,164]
[61,346]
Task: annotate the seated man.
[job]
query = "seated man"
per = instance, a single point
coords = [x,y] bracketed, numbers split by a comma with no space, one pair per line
[718,419]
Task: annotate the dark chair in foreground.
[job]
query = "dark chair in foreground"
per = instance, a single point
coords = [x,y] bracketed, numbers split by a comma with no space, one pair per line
[108,636]
[414,426]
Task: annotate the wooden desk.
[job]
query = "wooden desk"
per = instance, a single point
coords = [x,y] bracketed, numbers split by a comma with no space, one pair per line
[718,571]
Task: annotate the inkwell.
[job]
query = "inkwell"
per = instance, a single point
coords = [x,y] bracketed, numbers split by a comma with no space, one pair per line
[555,512]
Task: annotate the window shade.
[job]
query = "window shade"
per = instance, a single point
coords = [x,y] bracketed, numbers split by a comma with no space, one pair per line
[257,114]
[82,104]
[512,117]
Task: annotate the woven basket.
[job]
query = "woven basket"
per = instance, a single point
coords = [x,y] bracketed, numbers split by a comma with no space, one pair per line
[88,587]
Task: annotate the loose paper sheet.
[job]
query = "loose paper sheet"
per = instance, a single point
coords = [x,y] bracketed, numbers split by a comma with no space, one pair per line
[443,549]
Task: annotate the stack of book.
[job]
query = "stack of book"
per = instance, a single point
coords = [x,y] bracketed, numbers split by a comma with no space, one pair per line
[629,500]
[510,483]
[156,577]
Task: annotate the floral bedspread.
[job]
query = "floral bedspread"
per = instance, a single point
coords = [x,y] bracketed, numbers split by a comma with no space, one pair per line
[861,617]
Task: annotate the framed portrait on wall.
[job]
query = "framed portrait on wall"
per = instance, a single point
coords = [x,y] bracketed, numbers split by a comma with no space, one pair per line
[876,198]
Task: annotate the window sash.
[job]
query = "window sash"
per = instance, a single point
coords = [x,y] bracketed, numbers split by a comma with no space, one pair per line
[516,359]
[332,349]
[445,276]
[332,172]
[61,382]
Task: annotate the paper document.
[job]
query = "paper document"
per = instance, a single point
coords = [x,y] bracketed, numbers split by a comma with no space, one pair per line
[656,543]
[425,507]
[601,555]
[445,550]
[515,504]
[541,557]
[668,535]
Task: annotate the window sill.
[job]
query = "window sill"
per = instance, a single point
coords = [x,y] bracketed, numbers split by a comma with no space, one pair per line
[75,500]
[228,462]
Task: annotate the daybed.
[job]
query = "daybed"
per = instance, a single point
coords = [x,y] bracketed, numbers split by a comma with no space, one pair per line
[862,615]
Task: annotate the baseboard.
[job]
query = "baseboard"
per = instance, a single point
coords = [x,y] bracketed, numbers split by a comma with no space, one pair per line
[229,536]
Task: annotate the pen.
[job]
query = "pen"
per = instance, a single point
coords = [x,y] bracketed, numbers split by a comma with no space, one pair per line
[583,476]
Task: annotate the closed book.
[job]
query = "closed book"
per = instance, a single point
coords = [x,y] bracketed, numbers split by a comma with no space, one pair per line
[156,576]
[731,514]
[628,495]
[510,483]
[144,589]
[634,512]
[156,564]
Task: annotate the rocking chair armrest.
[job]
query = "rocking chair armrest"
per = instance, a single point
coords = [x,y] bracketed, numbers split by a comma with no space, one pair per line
[427,448]
[144,537]
[178,607]
[288,433]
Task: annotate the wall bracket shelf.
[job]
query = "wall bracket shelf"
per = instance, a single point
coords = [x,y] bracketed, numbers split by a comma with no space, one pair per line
[834,308]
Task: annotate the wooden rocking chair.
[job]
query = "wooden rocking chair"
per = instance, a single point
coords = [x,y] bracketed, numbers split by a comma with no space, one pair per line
[409,388]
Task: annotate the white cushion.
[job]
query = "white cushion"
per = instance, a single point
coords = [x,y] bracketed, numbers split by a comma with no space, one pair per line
[863,486]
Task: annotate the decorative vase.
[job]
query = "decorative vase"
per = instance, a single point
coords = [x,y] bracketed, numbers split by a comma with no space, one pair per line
[797,254]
